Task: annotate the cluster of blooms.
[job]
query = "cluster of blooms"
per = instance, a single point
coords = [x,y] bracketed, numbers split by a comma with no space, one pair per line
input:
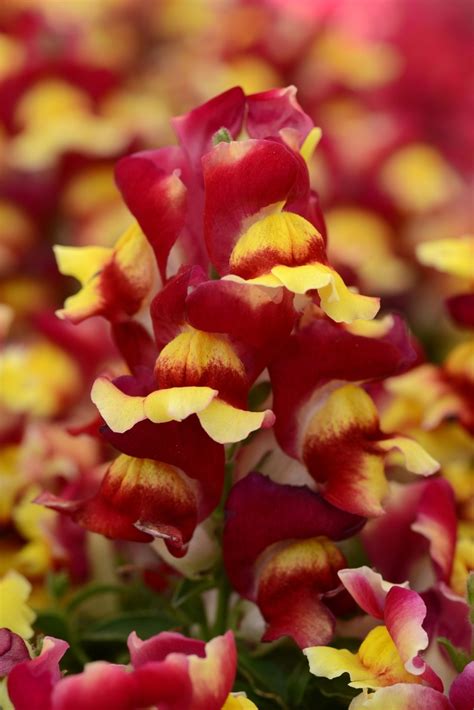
[251,452]
[254,379]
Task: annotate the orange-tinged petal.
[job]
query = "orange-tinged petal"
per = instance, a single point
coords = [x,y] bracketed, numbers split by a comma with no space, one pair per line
[197,358]
[282,238]
[226,424]
[138,499]
[340,450]
[291,590]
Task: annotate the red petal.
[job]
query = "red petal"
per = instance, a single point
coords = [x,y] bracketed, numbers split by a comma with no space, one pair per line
[153,191]
[324,351]
[196,129]
[420,518]
[181,444]
[461,309]
[240,180]
[270,111]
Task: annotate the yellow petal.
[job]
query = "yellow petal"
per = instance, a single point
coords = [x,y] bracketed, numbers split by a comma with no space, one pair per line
[376,664]
[310,144]
[85,302]
[300,279]
[227,425]
[328,662]
[344,305]
[120,411]
[417,460]
[81,262]
[177,403]
[15,614]
[454,256]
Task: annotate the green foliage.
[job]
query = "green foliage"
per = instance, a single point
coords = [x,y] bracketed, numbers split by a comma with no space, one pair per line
[458,658]
[116,628]
[277,676]
[258,394]
[470,596]
[57,584]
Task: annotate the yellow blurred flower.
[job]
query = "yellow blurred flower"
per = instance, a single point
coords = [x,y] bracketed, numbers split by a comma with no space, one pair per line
[15,614]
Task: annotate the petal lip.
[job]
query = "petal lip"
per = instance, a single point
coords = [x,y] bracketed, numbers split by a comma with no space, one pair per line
[226,424]
[119,410]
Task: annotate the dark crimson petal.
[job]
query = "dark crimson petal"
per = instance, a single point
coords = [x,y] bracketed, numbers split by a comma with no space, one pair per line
[291,591]
[13,650]
[324,351]
[196,129]
[461,309]
[181,444]
[168,308]
[240,180]
[251,314]
[420,519]
[270,111]
[138,499]
[134,344]
[461,692]
[151,185]
[260,513]
[448,616]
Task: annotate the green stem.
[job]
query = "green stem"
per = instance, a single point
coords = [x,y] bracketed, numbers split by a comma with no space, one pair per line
[222,612]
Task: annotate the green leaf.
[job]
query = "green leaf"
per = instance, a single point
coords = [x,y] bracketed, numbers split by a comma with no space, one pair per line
[187,589]
[337,688]
[259,394]
[297,683]
[265,677]
[92,590]
[117,628]
[52,623]
[458,658]
[470,595]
